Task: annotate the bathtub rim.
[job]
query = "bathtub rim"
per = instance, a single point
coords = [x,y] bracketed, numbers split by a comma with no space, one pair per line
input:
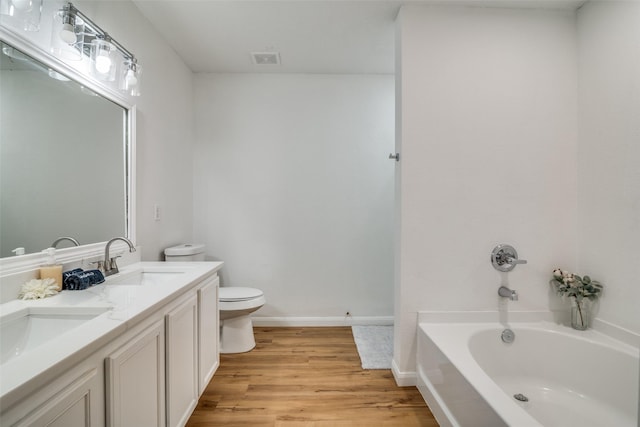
[490,391]
[607,329]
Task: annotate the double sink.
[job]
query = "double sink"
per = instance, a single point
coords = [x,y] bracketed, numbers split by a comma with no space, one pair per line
[35,323]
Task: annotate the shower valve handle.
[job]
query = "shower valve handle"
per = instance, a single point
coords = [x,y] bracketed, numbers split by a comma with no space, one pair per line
[504,258]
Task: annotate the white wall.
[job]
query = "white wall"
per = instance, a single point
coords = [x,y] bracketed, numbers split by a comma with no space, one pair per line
[164,122]
[608,155]
[294,190]
[487,135]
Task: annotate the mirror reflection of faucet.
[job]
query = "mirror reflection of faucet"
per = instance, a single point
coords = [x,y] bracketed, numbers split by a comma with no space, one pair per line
[60,239]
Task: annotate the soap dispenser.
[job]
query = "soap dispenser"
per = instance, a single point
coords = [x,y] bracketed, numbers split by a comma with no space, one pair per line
[51,269]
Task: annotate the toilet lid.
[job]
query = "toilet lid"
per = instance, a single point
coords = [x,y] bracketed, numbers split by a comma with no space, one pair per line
[235,293]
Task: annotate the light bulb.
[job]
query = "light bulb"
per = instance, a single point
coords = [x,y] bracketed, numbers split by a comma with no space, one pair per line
[130,79]
[67,34]
[103,63]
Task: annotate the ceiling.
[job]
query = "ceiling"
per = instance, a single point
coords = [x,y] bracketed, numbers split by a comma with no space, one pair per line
[311,36]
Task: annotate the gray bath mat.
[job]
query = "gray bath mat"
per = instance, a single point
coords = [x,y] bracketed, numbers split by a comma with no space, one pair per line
[375,346]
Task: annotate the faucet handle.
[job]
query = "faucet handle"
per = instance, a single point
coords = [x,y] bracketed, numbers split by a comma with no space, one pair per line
[99,265]
[516,261]
[505,258]
[113,264]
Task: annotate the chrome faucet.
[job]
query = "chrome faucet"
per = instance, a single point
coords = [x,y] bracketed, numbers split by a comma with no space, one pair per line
[109,265]
[505,258]
[508,293]
[60,239]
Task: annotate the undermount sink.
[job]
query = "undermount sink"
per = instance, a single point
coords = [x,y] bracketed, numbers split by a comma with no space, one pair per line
[144,277]
[31,327]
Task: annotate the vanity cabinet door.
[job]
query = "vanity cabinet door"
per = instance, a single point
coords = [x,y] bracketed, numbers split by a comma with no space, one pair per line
[182,361]
[74,406]
[135,381]
[208,320]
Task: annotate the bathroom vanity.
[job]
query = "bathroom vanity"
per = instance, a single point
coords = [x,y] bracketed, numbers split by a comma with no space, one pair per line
[137,350]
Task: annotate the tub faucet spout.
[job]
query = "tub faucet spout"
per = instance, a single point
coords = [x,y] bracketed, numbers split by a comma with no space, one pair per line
[508,293]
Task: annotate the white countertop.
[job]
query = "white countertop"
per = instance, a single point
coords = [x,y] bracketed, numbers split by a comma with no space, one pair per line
[125,304]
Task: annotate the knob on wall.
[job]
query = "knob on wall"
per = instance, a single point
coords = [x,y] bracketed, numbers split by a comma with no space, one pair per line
[505,258]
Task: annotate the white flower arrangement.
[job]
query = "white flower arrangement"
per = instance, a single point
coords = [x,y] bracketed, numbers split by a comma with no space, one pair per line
[572,285]
[579,288]
[38,288]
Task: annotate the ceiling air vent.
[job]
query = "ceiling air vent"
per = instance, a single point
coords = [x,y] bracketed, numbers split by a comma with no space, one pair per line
[265,58]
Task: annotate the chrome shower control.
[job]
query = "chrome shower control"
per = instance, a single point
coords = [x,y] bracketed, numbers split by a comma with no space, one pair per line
[505,258]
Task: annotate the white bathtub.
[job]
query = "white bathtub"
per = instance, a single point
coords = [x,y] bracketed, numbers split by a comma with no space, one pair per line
[468,376]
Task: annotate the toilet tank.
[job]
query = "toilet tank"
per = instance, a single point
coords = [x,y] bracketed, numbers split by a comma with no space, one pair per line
[185,252]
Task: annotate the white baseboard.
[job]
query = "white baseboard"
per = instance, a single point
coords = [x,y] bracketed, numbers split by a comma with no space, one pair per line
[322,321]
[403,379]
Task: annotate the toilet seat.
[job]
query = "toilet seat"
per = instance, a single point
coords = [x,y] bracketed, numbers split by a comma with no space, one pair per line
[235,298]
[236,294]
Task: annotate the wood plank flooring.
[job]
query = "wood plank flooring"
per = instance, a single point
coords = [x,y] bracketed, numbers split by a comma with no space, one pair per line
[308,377]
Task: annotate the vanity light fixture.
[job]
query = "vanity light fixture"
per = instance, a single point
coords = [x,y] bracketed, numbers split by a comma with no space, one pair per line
[67,34]
[130,79]
[103,58]
[74,34]
[68,28]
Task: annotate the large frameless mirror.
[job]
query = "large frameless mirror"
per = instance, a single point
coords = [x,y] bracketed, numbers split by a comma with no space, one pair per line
[64,164]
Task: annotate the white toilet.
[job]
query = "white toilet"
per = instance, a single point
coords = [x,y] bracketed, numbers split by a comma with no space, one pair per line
[235,304]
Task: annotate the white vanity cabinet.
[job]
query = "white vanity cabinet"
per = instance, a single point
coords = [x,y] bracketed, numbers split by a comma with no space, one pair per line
[157,377]
[208,331]
[182,361]
[76,405]
[192,350]
[150,374]
[135,380]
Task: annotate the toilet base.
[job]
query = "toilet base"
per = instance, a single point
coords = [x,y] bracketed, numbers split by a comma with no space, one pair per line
[236,335]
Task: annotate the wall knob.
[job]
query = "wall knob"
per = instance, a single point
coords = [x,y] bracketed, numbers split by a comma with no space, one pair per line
[505,258]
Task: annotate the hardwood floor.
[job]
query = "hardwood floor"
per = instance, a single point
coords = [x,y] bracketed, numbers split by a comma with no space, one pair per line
[309,377]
